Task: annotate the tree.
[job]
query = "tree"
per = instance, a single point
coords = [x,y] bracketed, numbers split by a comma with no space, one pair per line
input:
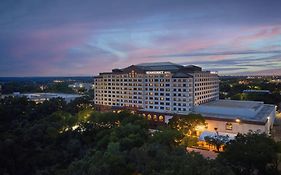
[79,104]
[169,137]
[52,105]
[41,139]
[217,140]
[186,124]
[61,87]
[251,153]
[63,120]
[189,141]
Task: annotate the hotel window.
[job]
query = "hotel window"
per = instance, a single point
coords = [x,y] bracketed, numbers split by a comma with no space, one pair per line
[155,117]
[228,126]
[161,118]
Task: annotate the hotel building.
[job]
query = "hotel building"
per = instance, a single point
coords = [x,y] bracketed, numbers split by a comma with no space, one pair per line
[159,87]
[159,91]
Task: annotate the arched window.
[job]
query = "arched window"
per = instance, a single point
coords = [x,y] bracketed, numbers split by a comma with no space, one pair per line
[161,118]
[228,126]
[143,115]
[155,117]
[149,117]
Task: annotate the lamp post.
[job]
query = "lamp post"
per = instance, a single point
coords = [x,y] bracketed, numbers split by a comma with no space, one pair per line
[268,125]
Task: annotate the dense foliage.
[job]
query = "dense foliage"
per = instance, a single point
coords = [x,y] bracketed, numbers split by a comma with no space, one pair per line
[71,139]
[32,87]
[251,153]
[56,138]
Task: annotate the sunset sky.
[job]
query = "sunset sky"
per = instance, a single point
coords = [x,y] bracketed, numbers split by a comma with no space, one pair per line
[85,37]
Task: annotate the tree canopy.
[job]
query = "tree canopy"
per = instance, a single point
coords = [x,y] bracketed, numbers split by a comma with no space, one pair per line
[186,124]
[53,138]
[251,153]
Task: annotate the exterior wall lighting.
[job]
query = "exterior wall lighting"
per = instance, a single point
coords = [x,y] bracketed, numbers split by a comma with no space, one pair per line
[238,120]
[200,127]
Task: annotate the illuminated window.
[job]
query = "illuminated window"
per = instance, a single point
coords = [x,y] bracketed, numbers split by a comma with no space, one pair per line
[149,117]
[161,118]
[228,126]
[155,117]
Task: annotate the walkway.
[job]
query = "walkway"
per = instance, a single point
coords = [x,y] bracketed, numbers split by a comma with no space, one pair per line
[204,153]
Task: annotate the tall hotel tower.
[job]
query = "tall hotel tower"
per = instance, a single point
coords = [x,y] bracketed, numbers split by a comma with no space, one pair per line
[162,87]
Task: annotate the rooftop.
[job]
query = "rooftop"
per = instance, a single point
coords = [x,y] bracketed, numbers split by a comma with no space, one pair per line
[164,66]
[236,104]
[50,95]
[251,111]
[159,64]
[180,70]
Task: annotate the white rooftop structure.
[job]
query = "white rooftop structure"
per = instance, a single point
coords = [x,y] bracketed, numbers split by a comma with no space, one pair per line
[233,116]
[40,97]
[235,109]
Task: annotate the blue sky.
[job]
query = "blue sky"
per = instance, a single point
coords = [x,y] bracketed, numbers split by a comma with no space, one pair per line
[72,37]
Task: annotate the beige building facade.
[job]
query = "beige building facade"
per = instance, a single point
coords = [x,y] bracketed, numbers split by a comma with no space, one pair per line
[159,91]
[159,87]
[233,116]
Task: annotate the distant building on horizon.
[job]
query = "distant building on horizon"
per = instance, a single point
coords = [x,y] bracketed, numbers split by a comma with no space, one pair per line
[41,97]
[78,85]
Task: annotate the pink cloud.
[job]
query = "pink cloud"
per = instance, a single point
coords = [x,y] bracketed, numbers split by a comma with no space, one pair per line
[256,34]
[51,40]
[47,47]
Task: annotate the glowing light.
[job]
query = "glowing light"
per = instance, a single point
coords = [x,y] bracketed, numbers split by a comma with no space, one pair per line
[75,127]
[161,118]
[149,117]
[200,127]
